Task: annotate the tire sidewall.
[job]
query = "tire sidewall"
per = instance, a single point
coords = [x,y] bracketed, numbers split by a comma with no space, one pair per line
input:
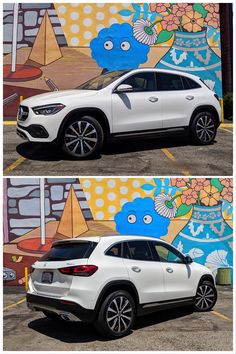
[101,324]
[194,124]
[100,134]
[205,282]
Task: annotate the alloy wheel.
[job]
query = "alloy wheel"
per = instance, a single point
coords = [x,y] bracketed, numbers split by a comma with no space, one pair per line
[205,297]
[205,128]
[119,314]
[81,138]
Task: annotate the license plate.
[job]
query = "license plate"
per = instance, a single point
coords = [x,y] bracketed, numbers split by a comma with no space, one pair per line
[47,277]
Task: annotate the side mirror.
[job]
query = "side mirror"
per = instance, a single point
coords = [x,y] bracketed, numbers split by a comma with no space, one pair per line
[188,259]
[124,88]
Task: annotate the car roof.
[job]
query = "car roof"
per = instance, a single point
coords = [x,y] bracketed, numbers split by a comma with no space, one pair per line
[108,238]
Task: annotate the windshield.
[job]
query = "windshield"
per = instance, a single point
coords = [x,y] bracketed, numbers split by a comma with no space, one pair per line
[68,251]
[101,81]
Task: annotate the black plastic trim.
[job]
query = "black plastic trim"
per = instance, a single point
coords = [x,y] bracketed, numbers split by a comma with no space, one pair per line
[33,130]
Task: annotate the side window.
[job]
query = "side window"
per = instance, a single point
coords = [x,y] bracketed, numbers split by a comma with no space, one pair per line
[140,250]
[169,82]
[141,82]
[114,250]
[165,253]
[189,83]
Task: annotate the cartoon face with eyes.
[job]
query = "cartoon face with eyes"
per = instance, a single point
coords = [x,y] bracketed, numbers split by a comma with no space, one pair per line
[115,48]
[140,218]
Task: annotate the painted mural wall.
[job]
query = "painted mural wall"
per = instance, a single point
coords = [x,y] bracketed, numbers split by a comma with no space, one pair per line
[193,214]
[59,46]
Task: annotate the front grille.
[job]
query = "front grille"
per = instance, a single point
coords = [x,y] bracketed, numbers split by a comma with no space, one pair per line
[23,113]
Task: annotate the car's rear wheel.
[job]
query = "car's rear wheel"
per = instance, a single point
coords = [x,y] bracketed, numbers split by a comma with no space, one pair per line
[82,137]
[116,315]
[203,128]
[206,297]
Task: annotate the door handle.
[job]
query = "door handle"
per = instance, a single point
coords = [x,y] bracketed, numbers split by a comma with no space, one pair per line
[153,99]
[136,269]
[189,97]
[169,270]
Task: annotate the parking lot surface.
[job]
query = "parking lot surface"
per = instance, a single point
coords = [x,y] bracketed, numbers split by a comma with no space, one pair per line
[176,329]
[169,155]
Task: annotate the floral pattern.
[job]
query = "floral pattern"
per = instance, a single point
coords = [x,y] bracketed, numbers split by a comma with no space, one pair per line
[192,21]
[144,32]
[170,22]
[209,195]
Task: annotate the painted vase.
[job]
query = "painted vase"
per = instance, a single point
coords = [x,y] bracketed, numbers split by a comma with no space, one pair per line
[207,238]
[191,53]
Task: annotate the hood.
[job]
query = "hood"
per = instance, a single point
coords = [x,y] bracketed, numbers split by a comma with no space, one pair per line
[56,97]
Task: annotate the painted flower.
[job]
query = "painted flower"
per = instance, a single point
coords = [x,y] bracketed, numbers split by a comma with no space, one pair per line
[227,194]
[181,9]
[164,206]
[144,32]
[159,7]
[189,197]
[179,182]
[209,195]
[198,183]
[192,21]
[217,259]
[213,19]
[227,182]
[170,22]
[211,7]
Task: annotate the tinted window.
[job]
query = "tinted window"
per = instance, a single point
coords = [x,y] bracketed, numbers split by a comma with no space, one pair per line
[138,250]
[189,83]
[144,81]
[114,251]
[165,253]
[67,251]
[169,82]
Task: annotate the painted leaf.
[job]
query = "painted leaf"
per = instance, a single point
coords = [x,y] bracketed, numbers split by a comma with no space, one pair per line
[200,9]
[164,36]
[125,12]
[196,252]
[153,17]
[136,16]
[146,7]
[147,187]
[136,7]
[216,183]
[183,210]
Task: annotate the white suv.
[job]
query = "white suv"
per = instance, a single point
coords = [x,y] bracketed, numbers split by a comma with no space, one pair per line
[112,279]
[118,104]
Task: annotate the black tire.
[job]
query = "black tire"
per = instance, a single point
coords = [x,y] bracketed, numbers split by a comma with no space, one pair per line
[206,297]
[82,137]
[122,325]
[53,316]
[203,128]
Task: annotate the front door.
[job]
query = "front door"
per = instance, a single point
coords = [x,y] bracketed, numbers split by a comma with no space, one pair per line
[140,109]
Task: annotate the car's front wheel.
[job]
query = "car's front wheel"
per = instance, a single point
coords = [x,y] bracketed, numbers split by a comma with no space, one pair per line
[206,297]
[116,315]
[82,137]
[203,128]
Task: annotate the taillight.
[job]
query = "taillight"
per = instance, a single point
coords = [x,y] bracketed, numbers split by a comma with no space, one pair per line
[217,97]
[81,270]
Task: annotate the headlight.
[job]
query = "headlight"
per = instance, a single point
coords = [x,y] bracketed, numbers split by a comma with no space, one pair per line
[48,109]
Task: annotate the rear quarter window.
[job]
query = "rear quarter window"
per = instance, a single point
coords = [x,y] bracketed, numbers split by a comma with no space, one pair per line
[69,251]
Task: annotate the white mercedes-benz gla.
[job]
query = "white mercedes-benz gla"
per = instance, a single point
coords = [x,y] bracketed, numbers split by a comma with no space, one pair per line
[112,279]
[117,104]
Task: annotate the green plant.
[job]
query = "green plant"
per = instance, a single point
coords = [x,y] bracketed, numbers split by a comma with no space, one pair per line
[228,105]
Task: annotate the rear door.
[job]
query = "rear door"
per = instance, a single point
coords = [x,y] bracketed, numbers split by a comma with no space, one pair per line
[179,279]
[144,272]
[177,99]
[47,278]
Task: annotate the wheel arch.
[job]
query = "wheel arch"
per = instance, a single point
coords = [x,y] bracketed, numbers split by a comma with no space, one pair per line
[115,286]
[205,108]
[96,113]
[207,277]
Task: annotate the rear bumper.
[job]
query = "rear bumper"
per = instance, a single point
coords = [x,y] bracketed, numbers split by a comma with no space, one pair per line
[59,306]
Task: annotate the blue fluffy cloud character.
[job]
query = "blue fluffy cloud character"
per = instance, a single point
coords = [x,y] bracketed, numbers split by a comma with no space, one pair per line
[115,48]
[140,218]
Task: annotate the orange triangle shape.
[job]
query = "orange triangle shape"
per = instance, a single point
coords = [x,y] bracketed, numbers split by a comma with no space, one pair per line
[72,221]
[45,49]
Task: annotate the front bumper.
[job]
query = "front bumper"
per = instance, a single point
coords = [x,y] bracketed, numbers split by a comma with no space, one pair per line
[61,307]
[36,131]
